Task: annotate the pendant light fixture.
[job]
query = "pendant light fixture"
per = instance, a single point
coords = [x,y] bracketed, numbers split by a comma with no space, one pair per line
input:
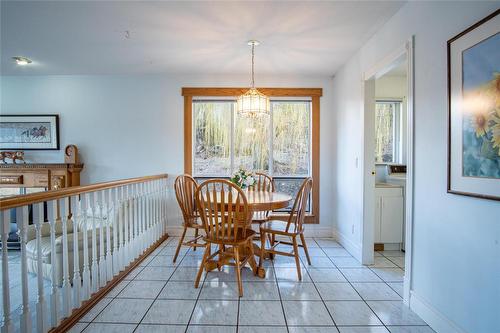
[253,103]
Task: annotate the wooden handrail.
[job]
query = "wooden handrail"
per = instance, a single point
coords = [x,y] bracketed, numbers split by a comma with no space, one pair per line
[28,199]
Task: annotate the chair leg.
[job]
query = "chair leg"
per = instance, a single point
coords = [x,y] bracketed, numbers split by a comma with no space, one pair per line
[297,260]
[262,248]
[303,240]
[181,240]
[251,259]
[238,269]
[195,238]
[202,265]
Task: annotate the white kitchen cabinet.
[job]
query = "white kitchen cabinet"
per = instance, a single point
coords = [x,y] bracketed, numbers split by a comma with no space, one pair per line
[388,214]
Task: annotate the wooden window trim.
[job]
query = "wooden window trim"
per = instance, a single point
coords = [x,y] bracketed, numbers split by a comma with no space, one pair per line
[313,93]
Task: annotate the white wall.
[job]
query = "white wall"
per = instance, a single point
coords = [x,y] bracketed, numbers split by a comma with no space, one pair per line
[126,126]
[456,264]
[389,86]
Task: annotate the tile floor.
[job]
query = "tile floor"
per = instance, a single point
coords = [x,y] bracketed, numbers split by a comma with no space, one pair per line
[337,294]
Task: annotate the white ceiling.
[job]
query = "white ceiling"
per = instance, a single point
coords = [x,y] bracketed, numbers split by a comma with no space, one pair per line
[89,37]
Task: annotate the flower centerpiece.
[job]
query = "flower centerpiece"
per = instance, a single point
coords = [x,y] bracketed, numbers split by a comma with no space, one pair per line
[243,178]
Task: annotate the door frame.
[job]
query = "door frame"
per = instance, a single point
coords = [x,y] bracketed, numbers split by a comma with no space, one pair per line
[368,172]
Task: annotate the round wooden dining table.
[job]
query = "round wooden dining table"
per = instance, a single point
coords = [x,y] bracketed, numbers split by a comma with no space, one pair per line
[261,201]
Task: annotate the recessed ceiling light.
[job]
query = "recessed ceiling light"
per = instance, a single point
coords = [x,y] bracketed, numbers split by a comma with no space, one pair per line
[22,61]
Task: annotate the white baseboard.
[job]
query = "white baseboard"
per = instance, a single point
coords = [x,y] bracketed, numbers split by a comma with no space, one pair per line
[311,230]
[435,319]
[351,247]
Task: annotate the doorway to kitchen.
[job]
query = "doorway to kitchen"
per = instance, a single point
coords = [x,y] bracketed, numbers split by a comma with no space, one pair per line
[388,168]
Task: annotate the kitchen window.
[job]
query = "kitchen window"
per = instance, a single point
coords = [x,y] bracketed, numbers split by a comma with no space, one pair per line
[388,131]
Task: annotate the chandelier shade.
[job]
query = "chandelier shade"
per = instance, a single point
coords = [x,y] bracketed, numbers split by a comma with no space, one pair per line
[253,103]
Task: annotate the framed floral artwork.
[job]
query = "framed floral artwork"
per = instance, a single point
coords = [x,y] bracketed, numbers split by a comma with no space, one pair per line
[474,110]
[29,132]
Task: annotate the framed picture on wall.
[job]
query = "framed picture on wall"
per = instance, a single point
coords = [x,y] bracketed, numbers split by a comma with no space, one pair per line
[29,132]
[474,110]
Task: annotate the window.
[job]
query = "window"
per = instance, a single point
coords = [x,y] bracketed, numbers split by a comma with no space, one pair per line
[212,137]
[284,145]
[388,132]
[278,145]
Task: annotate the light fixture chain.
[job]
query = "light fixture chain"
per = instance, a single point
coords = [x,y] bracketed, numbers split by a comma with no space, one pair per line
[253,56]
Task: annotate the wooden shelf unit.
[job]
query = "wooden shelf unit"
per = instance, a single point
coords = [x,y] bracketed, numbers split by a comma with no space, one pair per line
[51,176]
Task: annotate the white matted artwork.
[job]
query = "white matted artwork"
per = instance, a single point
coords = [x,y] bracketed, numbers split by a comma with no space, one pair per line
[29,132]
[474,110]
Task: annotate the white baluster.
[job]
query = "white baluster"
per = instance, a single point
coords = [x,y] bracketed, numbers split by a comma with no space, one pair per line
[165,206]
[22,226]
[162,207]
[41,304]
[7,321]
[137,250]
[157,210]
[94,270]
[66,286]
[131,223]
[160,198]
[109,221]
[153,213]
[76,217]
[126,257]
[121,223]
[54,296]
[137,216]
[116,217]
[152,197]
[85,201]
[147,205]
[141,217]
[152,210]
[102,264]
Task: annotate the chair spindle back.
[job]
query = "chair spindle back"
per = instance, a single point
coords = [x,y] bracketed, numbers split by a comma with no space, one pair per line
[298,212]
[263,182]
[185,188]
[224,210]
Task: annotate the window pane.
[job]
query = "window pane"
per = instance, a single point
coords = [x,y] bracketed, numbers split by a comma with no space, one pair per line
[384,132]
[251,146]
[212,138]
[290,186]
[291,142]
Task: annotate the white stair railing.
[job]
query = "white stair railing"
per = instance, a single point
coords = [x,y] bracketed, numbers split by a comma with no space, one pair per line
[72,243]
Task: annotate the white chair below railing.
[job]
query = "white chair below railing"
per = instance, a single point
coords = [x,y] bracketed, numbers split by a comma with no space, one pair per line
[76,240]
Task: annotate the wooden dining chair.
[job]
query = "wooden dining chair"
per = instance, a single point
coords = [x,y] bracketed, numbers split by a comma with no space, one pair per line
[185,187]
[226,217]
[263,182]
[291,228]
